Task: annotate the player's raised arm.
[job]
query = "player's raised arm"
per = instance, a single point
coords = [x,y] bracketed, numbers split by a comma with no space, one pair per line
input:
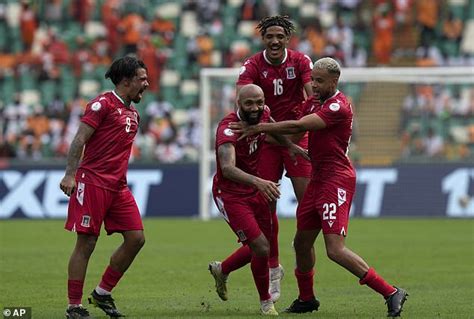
[68,183]
[226,157]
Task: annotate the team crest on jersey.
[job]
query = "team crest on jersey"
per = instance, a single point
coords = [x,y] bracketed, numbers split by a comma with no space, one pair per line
[265,73]
[96,106]
[86,220]
[290,73]
[228,132]
[341,196]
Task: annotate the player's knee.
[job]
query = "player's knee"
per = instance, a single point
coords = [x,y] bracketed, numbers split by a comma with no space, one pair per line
[260,247]
[334,253]
[135,240]
[301,245]
[139,241]
[86,245]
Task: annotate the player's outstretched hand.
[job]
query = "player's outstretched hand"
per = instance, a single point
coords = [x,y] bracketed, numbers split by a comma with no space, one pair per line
[242,128]
[269,189]
[68,184]
[296,150]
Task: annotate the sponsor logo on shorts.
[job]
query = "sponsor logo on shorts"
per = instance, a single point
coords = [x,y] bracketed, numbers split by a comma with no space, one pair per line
[343,232]
[86,220]
[265,73]
[241,235]
[80,193]
[341,196]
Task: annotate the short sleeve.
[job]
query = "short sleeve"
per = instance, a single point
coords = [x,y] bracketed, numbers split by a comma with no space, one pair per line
[95,113]
[247,73]
[225,135]
[332,113]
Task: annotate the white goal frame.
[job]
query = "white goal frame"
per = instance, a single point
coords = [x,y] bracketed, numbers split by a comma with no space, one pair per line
[355,75]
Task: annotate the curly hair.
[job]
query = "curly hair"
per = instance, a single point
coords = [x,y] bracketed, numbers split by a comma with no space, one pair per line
[125,67]
[280,21]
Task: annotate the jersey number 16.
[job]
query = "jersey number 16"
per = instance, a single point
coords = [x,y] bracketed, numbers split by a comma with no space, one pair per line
[277,87]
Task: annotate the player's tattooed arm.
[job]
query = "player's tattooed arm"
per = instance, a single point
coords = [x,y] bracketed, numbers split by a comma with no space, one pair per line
[68,183]
[226,157]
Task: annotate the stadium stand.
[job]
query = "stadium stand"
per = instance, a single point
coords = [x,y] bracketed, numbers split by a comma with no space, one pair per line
[54,53]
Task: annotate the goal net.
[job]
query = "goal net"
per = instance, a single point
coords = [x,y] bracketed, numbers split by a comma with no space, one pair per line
[396,111]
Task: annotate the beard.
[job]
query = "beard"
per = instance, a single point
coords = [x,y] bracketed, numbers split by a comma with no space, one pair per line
[251,117]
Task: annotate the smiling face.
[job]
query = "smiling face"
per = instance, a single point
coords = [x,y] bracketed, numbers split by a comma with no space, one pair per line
[275,41]
[137,85]
[251,103]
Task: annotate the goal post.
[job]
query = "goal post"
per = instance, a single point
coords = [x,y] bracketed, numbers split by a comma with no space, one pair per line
[217,98]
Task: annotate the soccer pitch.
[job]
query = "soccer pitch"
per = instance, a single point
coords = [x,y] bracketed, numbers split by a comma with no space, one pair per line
[432,258]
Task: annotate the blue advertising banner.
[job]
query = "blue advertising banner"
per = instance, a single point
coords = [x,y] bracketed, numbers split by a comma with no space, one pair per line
[33,192]
[172,190]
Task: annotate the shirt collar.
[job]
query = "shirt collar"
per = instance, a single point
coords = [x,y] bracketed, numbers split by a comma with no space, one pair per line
[118,97]
[268,61]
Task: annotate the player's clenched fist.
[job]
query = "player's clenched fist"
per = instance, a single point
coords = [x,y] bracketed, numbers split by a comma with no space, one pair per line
[68,184]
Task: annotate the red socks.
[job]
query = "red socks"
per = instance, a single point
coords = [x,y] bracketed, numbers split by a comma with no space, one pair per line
[110,279]
[261,276]
[377,283]
[238,259]
[74,291]
[273,261]
[305,284]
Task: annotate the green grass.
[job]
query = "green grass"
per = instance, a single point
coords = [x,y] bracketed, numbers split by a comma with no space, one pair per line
[432,258]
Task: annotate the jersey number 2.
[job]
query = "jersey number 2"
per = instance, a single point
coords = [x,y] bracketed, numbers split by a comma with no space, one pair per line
[277,87]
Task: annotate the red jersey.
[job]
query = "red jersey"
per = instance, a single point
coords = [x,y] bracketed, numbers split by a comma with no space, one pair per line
[247,153]
[328,147]
[107,152]
[282,84]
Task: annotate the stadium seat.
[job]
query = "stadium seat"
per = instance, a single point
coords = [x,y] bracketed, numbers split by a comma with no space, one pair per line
[89,88]
[48,91]
[30,97]
[189,24]
[189,93]
[27,81]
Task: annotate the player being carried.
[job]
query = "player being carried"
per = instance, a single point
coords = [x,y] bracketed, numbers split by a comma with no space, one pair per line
[243,197]
[327,200]
[284,76]
[98,185]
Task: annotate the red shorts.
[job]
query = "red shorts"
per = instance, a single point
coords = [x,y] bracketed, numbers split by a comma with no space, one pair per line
[274,158]
[91,205]
[248,216]
[326,206]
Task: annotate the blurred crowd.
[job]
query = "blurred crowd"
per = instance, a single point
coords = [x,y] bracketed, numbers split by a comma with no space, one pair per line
[438,122]
[54,53]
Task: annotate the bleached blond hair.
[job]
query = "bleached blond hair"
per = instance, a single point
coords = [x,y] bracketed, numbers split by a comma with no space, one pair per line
[329,64]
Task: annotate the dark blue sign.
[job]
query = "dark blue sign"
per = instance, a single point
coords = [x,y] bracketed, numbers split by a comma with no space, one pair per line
[172,190]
